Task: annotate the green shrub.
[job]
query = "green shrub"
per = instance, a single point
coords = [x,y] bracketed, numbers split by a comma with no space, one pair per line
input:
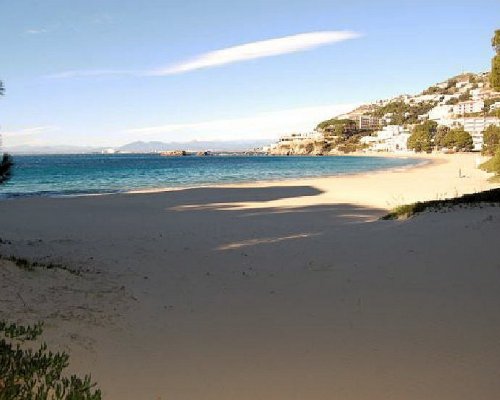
[491,138]
[457,139]
[489,196]
[26,374]
[493,164]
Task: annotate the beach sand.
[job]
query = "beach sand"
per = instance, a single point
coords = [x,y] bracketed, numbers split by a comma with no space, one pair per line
[277,290]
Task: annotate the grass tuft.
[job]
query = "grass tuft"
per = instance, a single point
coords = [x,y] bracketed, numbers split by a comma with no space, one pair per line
[32,265]
[475,199]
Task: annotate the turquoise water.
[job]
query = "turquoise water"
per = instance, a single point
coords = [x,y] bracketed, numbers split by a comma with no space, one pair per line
[52,175]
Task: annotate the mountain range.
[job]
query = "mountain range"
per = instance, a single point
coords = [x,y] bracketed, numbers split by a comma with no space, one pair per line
[145,147]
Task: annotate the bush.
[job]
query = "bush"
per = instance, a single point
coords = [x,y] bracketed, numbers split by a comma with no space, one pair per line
[491,138]
[457,139]
[6,168]
[421,138]
[493,164]
[37,375]
[489,197]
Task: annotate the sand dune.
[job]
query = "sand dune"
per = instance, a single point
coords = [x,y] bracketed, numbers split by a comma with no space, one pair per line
[277,290]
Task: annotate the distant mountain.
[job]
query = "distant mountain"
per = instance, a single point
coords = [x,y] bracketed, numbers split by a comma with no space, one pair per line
[144,147]
[195,145]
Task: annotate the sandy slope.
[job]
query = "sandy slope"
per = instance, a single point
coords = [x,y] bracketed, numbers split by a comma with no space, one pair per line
[290,290]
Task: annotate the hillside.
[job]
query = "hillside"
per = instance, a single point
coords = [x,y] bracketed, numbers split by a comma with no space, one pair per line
[344,133]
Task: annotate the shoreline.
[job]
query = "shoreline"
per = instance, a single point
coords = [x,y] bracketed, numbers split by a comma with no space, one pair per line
[423,160]
[323,183]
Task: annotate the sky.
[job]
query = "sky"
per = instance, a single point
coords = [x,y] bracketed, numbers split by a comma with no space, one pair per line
[108,72]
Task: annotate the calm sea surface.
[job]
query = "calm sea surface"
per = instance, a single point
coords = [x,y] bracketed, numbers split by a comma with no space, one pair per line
[53,175]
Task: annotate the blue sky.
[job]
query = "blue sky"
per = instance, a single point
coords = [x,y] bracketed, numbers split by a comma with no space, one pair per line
[107,72]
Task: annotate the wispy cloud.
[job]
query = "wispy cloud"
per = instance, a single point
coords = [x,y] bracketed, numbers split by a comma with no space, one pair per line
[36,31]
[230,55]
[264,125]
[260,49]
[27,136]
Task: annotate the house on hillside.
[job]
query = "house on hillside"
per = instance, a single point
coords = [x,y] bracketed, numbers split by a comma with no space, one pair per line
[467,107]
[392,138]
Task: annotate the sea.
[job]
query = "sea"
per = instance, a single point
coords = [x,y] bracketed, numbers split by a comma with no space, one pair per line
[87,174]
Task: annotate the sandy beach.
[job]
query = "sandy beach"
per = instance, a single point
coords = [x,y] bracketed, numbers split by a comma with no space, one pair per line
[273,290]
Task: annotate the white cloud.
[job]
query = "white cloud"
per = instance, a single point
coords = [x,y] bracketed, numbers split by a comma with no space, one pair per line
[264,125]
[36,31]
[244,52]
[27,136]
[260,49]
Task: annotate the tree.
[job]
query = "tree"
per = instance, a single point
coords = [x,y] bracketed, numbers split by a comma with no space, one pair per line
[6,163]
[457,139]
[439,137]
[495,62]
[6,168]
[491,140]
[337,127]
[421,138]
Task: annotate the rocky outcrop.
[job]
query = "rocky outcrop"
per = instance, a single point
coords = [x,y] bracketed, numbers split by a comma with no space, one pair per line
[300,148]
[173,153]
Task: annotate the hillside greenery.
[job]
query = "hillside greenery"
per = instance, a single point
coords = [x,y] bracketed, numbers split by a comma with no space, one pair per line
[341,135]
[402,113]
[336,127]
[495,62]
[491,138]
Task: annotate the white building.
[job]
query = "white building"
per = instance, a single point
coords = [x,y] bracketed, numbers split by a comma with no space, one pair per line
[367,122]
[392,138]
[466,107]
[475,126]
[477,94]
[109,151]
[440,112]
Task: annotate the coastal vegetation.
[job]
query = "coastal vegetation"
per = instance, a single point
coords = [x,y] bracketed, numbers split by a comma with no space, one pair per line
[6,163]
[28,265]
[456,139]
[495,62]
[493,165]
[25,373]
[6,168]
[491,138]
[28,374]
[421,137]
[336,127]
[491,197]
[427,137]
